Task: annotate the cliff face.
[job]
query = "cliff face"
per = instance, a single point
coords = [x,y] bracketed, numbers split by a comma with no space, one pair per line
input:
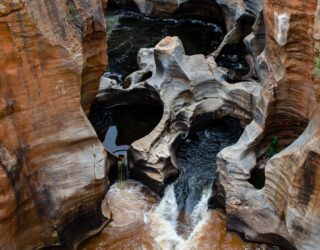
[53,169]
[292,177]
[286,205]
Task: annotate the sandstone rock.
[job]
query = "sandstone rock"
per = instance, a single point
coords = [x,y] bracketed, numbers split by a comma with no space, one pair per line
[283,103]
[283,212]
[8,6]
[53,169]
[192,96]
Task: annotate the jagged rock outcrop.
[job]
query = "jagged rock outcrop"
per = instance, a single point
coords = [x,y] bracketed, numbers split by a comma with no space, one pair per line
[236,17]
[53,169]
[239,18]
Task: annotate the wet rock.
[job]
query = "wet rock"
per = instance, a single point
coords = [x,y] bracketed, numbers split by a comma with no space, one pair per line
[191,96]
[283,103]
[129,202]
[205,9]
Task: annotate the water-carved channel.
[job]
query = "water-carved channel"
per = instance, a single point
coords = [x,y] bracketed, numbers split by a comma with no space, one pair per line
[129,31]
[180,219]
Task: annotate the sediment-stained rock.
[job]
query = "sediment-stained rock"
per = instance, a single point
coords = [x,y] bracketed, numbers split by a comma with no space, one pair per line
[53,169]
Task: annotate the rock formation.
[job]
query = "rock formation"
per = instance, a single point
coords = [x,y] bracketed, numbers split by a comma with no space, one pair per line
[192,97]
[286,206]
[282,43]
[53,169]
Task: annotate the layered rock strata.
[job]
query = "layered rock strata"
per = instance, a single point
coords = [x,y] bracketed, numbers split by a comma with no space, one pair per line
[286,206]
[53,169]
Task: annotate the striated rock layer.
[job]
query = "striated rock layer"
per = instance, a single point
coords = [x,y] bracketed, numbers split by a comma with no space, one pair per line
[193,95]
[284,211]
[287,205]
[53,169]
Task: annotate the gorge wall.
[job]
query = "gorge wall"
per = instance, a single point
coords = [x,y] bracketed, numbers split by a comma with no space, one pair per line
[286,206]
[282,40]
[53,169]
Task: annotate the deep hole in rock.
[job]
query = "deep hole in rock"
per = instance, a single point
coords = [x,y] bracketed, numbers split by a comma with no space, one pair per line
[196,156]
[257,177]
[206,10]
[118,126]
[232,56]
[146,76]
[196,159]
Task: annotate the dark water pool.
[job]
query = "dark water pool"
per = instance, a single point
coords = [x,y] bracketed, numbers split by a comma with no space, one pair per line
[129,31]
[196,158]
[119,126]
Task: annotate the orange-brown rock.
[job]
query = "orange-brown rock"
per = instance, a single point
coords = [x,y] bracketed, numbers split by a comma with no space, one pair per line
[134,220]
[284,210]
[283,42]
[53,169]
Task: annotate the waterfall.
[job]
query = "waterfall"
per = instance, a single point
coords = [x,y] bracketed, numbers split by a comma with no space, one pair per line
[200,211]
[163,219]
[122,170]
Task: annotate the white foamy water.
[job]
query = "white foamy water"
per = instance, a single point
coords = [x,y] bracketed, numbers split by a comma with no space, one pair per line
[163,220]
[200,211]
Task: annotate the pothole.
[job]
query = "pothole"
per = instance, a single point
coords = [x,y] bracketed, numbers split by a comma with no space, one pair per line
[196,159]
[120,125]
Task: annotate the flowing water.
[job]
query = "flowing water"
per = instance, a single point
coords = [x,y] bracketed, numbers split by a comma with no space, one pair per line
[180,220]
[128,32]
[196,159]
[140,222]
[183,210]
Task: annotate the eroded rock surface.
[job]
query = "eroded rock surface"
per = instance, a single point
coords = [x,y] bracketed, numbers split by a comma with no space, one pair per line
[285,206]
[53,169]
[282,42]
[192,97]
